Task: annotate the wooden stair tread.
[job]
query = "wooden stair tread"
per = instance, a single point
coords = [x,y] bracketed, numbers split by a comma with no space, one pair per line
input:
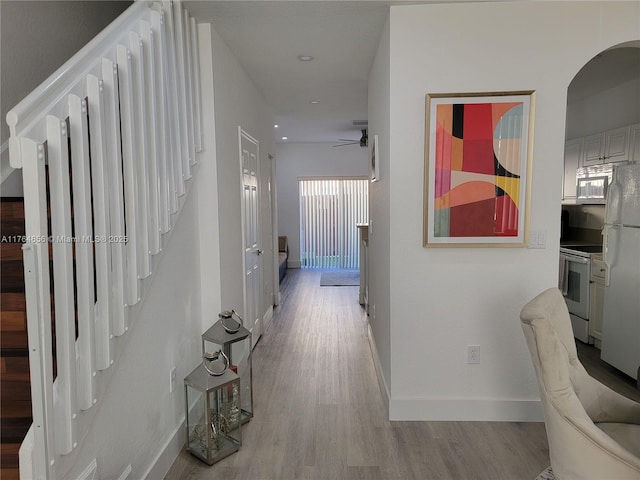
[10,473]
[7,452]
[11,227]
[17,410]
[14,340]
[10,251]
[14,429]
[15,388]
[13,321]
[14,365]
[13,302]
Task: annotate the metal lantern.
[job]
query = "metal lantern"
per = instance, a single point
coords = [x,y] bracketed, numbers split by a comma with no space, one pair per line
[213,414]
[237,347]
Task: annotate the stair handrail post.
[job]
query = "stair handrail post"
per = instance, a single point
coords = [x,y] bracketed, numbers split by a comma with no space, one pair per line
[37,288]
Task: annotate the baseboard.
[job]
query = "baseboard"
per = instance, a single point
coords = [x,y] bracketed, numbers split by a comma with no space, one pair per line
[382,384]
[449,409]
[294,264]
[267,318]
[168,453]
[276,297]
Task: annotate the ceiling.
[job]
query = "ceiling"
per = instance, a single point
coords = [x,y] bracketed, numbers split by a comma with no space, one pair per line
[342,37]
[606,70]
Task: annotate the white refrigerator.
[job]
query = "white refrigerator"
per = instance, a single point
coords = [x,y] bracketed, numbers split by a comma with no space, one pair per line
[621,317]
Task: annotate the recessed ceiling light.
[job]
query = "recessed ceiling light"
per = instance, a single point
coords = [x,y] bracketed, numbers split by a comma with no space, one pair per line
[285,138]
[314,102]
[275,126]
[305,58]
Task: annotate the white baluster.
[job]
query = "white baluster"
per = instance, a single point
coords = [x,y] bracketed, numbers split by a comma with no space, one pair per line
[172,92]
[153,134]
[113,166]
[61,231]
[188,75]
[99,179]
[178,25]
[38,302]
[141,149]
[127,120]
[195,49]
[82,219]
[164,149]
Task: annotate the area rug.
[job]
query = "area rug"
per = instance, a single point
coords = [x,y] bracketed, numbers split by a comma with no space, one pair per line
[340,278]
[546,475]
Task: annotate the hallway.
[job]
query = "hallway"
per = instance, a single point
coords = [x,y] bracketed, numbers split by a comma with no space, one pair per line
[318,411]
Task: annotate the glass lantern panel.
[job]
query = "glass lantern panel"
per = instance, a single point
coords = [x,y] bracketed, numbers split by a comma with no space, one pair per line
[224,404]
[213,415]
[241,358]
[196,423]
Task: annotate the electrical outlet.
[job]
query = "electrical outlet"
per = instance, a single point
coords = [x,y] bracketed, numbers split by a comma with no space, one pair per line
[473,353]
[373,310]
[172,379]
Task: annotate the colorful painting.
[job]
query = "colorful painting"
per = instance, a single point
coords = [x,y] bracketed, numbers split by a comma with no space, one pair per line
[477,169]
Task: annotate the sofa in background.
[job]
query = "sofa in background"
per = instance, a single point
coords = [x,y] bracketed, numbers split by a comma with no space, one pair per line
[283,255]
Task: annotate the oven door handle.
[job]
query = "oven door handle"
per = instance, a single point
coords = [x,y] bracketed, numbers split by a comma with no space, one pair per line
[564,271]
[564,281]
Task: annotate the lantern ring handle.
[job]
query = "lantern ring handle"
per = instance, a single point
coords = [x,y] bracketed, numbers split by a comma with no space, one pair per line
[231,327]
[210,357]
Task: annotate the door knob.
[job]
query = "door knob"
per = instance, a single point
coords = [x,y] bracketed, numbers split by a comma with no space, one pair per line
[259,252]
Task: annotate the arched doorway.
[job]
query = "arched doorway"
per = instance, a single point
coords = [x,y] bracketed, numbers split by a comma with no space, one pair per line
[602,132]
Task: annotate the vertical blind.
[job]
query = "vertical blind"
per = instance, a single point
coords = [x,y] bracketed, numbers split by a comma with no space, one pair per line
[330,210]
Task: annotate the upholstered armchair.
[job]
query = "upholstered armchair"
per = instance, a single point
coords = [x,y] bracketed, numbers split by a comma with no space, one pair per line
[593,432]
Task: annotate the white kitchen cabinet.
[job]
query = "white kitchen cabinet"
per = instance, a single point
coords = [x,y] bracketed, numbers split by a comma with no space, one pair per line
[573,151]
[616,145]
[593,150]
[607,147]
[596,300]
[634,142]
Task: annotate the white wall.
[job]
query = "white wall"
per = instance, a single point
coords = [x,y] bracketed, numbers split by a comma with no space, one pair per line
[613,108]
[238,103]
[379,205]
[296,160]
[442,300]
[138,416]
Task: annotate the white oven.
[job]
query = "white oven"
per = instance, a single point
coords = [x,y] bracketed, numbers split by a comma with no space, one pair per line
[575,274]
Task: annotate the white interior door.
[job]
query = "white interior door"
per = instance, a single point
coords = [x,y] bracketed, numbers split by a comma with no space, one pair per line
[251,233]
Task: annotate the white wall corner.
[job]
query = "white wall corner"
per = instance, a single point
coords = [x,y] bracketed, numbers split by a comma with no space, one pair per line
[382,383]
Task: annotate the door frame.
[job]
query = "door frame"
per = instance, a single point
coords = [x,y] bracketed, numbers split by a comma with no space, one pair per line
[255,335]
[273,196]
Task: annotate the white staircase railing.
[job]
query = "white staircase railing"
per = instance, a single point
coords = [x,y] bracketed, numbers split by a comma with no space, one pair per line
[106,145]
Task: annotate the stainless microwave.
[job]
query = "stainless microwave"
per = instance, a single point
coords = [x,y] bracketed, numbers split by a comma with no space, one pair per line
[592,183]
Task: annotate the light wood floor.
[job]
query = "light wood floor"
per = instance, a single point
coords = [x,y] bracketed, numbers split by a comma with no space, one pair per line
[600,370]
[318,412]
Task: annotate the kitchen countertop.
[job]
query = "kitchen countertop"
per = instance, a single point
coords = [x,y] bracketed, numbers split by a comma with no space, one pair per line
[570,243]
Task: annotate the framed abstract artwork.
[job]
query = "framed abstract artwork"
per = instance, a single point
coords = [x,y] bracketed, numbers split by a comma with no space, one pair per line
[477,169]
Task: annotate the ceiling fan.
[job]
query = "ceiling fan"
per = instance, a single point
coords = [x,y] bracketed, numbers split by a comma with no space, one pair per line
[363,142]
